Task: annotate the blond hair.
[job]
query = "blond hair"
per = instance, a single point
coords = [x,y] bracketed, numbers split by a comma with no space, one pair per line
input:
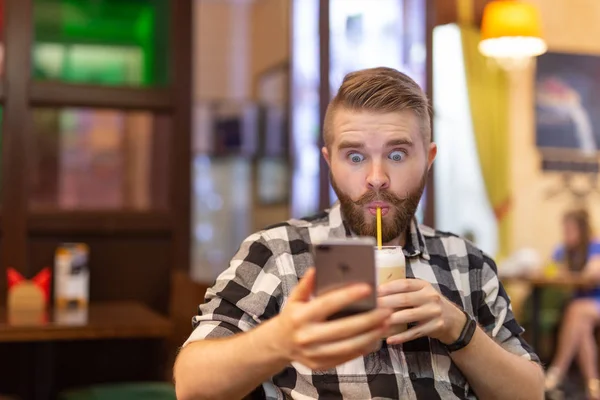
[380,90]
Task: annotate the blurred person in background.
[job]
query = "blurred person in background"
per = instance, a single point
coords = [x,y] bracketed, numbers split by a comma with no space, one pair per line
[578,254]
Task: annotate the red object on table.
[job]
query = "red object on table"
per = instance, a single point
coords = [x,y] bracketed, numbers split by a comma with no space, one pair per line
[41,280]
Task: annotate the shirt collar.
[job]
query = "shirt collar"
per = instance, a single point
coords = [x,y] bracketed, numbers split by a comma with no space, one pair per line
[415,241]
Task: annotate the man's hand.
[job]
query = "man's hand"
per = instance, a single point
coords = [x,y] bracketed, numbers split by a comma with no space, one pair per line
[417,301]
[302,333]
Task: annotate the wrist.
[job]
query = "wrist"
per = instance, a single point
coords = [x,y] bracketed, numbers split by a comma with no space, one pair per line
[456,324]
[269,340]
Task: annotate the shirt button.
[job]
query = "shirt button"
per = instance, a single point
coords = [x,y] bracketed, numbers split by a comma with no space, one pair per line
[413,376]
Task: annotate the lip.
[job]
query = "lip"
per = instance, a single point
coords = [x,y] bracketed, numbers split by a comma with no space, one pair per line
[384,211]
[372,207]
[381,204]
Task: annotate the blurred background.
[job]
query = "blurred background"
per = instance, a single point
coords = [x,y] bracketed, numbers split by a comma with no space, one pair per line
[158,134]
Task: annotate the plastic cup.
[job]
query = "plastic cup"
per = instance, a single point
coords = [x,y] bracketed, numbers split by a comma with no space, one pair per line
[391,265]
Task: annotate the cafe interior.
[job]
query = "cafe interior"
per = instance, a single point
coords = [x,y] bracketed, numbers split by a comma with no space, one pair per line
[128,179]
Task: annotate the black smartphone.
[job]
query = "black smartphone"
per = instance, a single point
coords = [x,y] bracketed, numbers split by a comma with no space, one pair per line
[341,262]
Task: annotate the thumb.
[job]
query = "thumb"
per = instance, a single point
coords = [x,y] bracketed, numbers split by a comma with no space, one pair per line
[305,287]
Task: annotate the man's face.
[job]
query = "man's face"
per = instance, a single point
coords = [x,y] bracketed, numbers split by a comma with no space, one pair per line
[378,160]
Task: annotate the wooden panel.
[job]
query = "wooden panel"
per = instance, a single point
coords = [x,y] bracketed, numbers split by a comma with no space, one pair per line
[67,365]
[430,22]
[131,256]
[444,11]
[111,361]
[478,12]
[46,358]
[188,295]
[16,372]
[122,160]
[324,96]
[3,284]
[121,267]
[100,223]
[181,160]
[57,94]
[15,133]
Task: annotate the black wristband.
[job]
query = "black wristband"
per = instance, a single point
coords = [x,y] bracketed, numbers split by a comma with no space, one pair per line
[465,335]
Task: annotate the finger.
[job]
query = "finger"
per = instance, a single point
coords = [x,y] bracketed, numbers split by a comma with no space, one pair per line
[424,329]
[349,348]
[401,286]
[344,328]
[329,303]
[305,287]
[417,314]
[403,300]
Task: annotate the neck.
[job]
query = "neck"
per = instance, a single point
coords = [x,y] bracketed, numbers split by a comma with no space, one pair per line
[399,241]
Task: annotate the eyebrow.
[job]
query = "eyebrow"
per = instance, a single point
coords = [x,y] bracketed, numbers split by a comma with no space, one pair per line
[346,144]
[399,142]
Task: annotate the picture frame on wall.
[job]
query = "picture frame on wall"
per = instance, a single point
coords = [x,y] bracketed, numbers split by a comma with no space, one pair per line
[567,100]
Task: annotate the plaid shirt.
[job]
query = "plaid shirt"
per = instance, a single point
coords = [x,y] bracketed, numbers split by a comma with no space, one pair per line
[268,265]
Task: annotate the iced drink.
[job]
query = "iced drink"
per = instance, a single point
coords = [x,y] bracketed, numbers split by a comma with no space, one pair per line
[391,265]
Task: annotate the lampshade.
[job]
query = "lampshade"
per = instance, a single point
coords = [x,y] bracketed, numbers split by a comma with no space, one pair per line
[511,29]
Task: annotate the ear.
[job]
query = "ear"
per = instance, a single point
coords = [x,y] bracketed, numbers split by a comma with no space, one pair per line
[326,155]
[14,277]
[42,281]
[431,153]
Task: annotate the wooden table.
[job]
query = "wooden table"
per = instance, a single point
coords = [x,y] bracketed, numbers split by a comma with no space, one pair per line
[539,283]
[110,320]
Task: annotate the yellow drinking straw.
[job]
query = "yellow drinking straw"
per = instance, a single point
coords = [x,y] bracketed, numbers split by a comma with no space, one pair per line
[379,227]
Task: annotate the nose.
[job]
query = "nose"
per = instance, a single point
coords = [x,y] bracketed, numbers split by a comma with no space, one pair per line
[378,178]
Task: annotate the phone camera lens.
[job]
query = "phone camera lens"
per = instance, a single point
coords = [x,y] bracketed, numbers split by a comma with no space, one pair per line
[344,268]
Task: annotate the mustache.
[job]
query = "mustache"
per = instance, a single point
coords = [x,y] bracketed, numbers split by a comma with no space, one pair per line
[380,195]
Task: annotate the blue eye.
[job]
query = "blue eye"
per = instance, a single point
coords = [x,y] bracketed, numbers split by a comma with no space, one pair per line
[397,155]
[356,157]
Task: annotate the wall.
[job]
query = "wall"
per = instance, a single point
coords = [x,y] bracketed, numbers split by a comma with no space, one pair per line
[221,49]
[270,29]
[236,40]
[570,26]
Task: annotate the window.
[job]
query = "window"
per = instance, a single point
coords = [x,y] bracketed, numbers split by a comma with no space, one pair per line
[461,204]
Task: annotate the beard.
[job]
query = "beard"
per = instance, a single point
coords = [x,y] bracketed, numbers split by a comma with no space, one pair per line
[402,210]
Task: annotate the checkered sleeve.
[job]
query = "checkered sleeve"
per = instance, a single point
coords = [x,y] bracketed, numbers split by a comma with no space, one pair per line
[495,314]
[244,295]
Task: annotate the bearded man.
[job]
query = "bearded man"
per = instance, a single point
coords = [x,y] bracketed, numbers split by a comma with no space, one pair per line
[261,332]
